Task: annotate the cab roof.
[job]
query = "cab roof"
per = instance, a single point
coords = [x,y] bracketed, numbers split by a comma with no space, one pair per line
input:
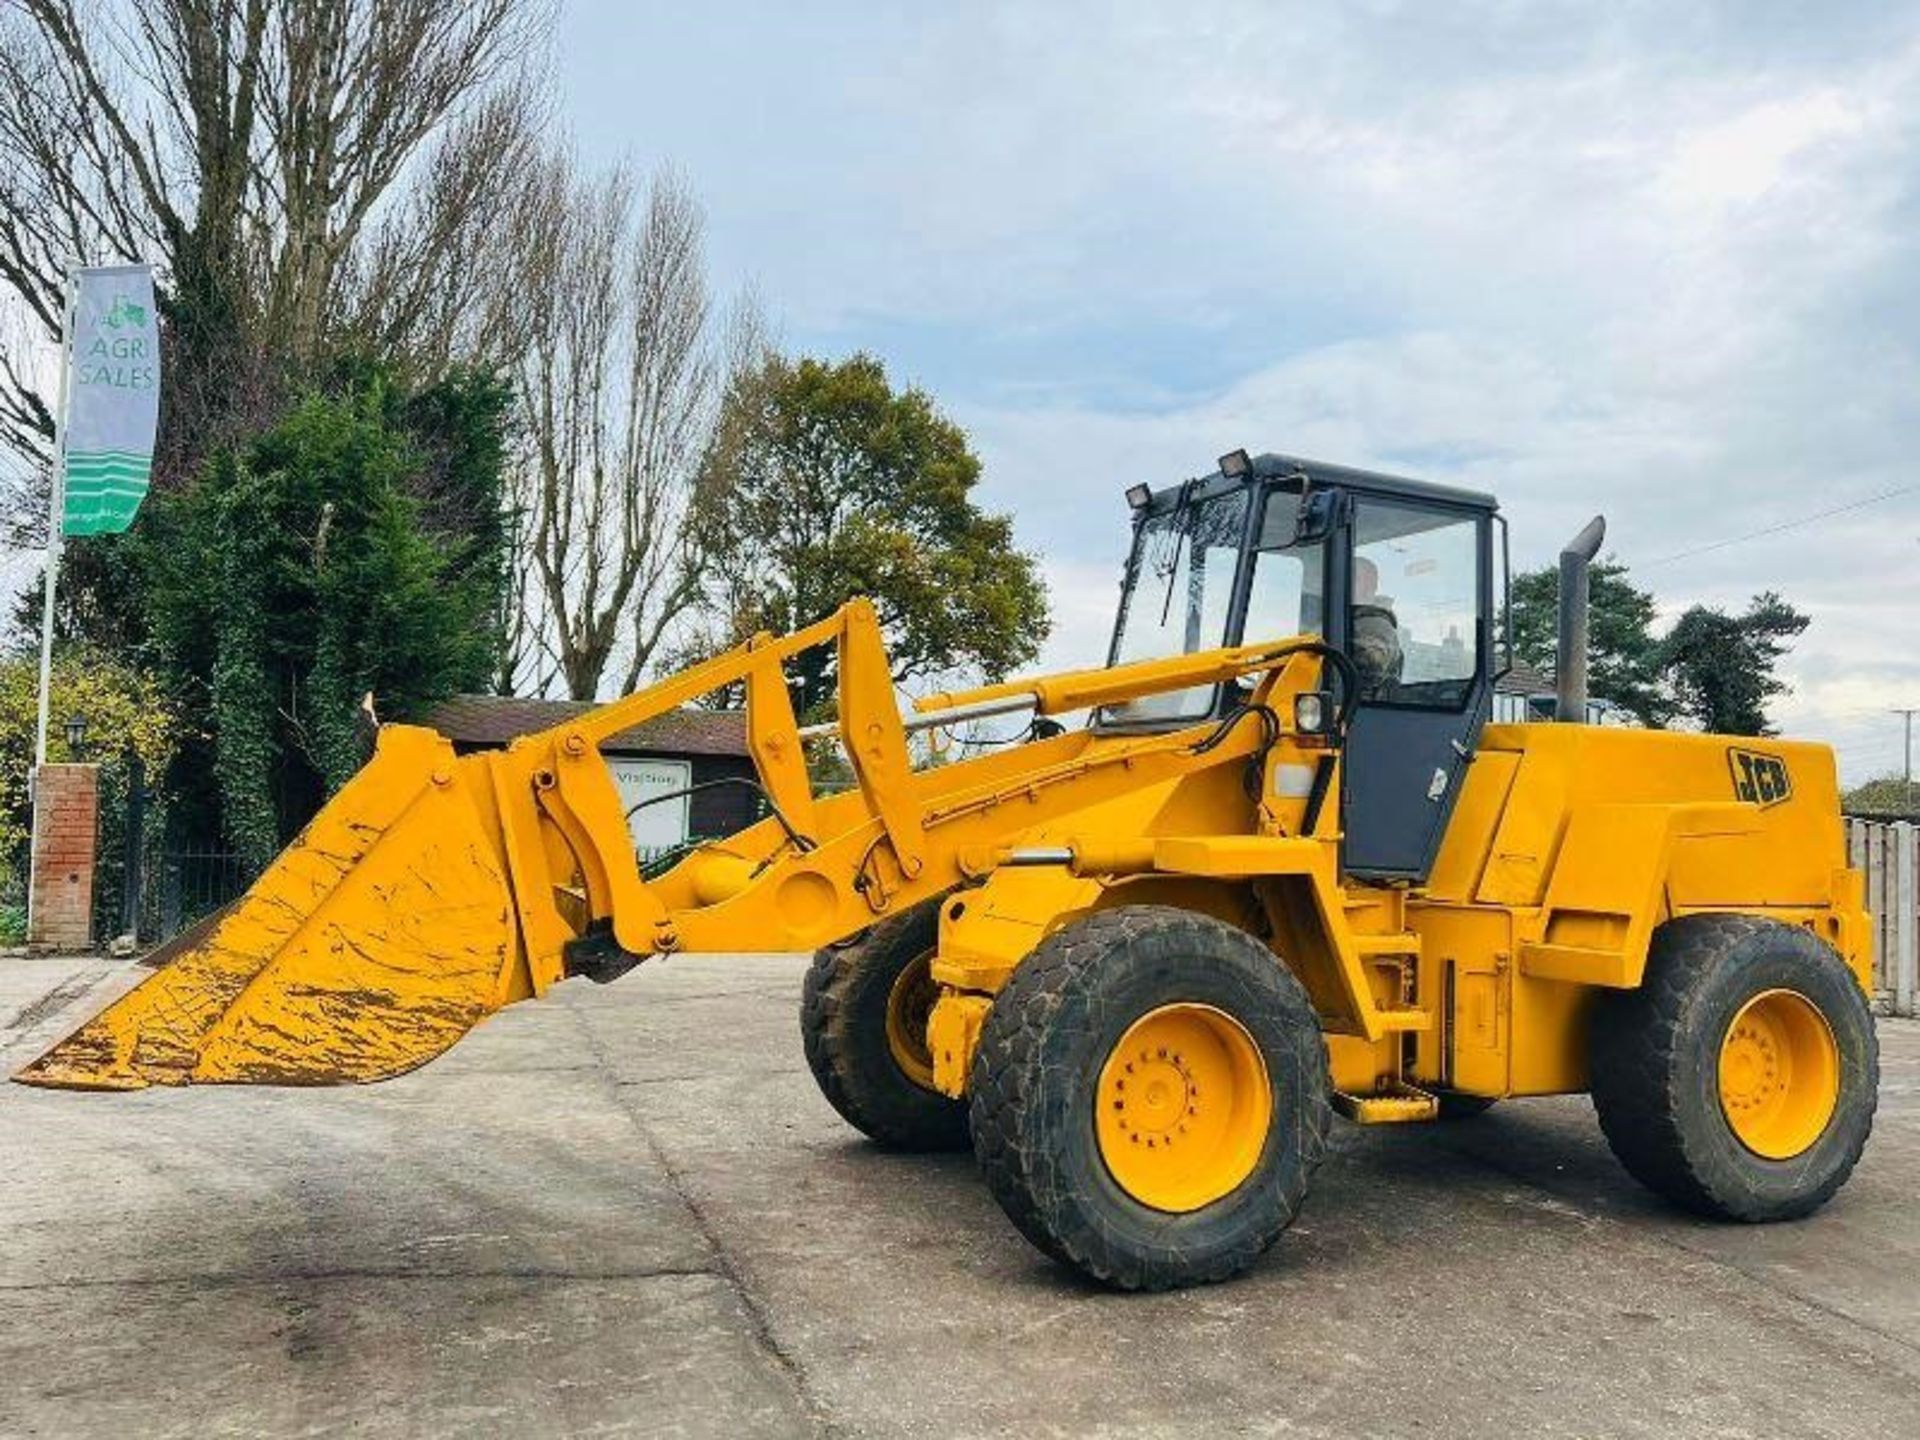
[1272,466]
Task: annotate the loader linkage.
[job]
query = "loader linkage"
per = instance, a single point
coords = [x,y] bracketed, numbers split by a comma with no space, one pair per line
[435,889]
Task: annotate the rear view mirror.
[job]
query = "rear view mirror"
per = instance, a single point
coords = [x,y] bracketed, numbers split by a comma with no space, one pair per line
[1319,511]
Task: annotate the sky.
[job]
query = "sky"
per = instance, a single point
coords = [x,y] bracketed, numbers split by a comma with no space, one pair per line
[1657,262]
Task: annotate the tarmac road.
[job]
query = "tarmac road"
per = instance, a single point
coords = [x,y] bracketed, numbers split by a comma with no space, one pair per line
[627,1211]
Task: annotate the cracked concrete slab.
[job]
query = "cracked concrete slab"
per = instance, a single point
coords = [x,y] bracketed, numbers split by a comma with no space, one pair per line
[627,1211]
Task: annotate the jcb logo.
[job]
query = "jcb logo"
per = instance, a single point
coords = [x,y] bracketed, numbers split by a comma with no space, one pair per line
[1759,779]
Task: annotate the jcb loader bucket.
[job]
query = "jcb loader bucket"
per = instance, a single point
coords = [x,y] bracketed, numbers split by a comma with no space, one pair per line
[375,941]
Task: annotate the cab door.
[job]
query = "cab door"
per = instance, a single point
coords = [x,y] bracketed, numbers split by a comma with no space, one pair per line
[1417,583]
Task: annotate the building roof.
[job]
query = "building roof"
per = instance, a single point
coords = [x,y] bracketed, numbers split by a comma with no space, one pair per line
[1523,679]
[483,721]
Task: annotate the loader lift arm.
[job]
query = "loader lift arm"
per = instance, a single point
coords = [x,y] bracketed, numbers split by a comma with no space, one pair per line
[435,889]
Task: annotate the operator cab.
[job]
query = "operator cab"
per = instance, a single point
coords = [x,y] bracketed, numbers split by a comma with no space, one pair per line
[1397,574]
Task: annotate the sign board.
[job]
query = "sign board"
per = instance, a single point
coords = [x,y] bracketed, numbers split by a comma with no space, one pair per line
[112,399]
[662,825]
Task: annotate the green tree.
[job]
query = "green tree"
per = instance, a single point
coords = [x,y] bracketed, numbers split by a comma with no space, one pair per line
[1722,667]
[126,711]
[826,483]
[302,571]
[1623,657]
[1887,795]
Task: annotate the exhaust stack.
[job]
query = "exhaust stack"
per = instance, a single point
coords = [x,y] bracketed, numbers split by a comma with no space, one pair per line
[1570,663]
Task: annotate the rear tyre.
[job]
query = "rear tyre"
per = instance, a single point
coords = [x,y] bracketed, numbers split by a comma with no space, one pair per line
[1740,1079]
[1149,1099]
[863,1019]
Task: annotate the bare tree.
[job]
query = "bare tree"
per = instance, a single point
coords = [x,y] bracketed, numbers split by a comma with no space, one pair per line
[267,155]
[619,379]
[434,282]
[352,90]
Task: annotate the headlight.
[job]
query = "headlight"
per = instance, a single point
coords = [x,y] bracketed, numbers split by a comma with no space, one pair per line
[1312,712]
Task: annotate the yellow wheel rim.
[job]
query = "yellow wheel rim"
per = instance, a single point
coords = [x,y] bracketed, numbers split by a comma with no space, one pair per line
[1779,1074]
[1184,1104]
[909,1005]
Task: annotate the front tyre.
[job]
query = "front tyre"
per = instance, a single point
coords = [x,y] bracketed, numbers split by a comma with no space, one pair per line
[1740,1079]
[1149,1099]
[863,1020]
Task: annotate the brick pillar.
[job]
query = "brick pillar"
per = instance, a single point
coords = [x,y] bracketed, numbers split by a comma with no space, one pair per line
[66,829]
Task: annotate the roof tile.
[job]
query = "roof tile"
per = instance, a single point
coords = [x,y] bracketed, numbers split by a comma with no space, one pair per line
[485,721]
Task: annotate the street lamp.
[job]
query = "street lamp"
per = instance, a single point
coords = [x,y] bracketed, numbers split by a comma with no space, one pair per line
[76,734]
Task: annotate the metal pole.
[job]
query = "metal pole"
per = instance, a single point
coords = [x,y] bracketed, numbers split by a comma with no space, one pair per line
[1907,766]
[54,516]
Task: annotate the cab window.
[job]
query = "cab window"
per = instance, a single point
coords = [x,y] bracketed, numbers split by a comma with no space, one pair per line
[1179,592]
[1414,620]
[1286,594]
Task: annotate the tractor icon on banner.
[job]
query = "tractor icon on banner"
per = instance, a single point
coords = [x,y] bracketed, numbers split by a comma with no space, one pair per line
[125,314]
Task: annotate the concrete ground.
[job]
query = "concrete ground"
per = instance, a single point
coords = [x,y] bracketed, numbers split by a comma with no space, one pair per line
[627,1211]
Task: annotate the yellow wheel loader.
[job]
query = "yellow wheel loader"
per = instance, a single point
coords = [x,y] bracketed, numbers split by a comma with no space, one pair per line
[1285,868]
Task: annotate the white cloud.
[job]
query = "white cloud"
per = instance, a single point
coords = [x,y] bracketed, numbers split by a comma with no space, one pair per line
[1742,159]
[1650,260]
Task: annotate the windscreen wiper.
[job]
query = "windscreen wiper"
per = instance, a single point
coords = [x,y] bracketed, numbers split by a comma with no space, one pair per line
[1183,523]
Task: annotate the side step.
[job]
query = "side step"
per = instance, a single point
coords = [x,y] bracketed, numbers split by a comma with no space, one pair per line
[1398,1105]
[1399,1022]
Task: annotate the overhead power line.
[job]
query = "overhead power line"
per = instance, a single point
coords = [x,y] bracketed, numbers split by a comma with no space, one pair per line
[1783,526]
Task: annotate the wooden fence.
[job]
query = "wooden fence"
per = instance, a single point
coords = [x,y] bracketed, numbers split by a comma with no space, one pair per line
[1889,853]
